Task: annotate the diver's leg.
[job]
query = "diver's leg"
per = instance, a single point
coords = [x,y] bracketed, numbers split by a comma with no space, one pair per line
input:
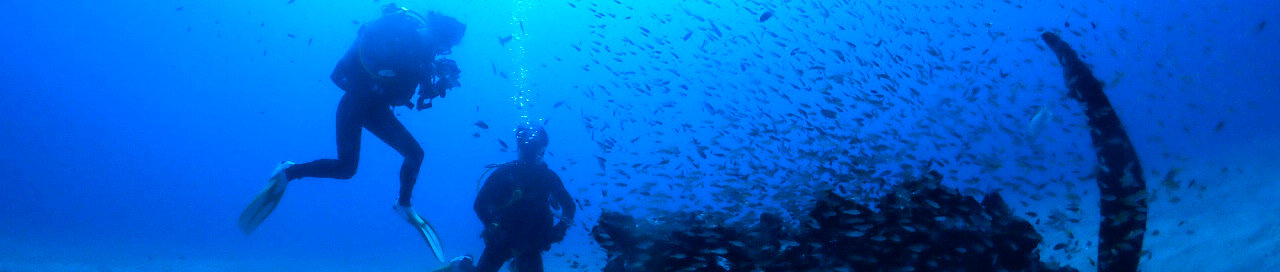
[529,261]
[382,123]
[351,114]
[495,254]
[1124,191]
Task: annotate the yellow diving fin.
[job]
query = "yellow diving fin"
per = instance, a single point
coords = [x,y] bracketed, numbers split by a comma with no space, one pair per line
[424,228]
[266,200]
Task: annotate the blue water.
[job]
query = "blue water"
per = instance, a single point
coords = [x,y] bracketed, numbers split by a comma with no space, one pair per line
[135,132]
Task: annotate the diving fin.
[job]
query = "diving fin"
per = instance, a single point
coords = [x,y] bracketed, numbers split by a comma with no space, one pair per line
[266,201]
[459,264]
[424,228]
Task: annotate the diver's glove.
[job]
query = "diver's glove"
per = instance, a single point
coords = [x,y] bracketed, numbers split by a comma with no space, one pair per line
[427,92]
[423,102]
[559,231]
[445,78]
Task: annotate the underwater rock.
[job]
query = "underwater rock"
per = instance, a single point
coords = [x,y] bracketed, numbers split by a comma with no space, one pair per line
[919,225]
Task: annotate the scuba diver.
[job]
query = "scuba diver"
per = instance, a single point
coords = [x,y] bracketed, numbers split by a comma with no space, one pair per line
[515,204]
[391,57]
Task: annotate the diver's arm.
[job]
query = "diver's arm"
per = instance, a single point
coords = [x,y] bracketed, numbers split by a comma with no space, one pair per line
[1124,191]
[426,89]
[484,205]
[567,208]
[400,91]
[348,73]
[561,195]
[439,76]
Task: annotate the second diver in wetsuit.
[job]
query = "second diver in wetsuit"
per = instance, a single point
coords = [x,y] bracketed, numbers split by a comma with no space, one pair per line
[516,205]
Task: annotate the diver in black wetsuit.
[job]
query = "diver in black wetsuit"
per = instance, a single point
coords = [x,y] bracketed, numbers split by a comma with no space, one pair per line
[392,56]
[515,204]
[1124,191]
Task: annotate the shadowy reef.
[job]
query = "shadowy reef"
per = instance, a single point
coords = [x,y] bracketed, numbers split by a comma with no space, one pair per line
[919,225]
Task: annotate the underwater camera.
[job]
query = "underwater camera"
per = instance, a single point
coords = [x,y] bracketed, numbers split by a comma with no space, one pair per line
[445,78]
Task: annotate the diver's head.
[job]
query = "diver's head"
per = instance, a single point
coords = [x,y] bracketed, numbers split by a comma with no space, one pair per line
[531,141]
[443,32]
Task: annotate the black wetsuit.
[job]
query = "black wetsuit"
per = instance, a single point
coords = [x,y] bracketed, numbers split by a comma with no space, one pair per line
[1124,191]
[518,197]
[367,104]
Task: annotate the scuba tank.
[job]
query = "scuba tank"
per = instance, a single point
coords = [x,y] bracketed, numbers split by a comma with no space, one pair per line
[394,51]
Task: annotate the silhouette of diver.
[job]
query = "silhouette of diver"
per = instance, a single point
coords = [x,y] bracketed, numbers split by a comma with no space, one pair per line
[1124,191]
[515,204]
[392,56]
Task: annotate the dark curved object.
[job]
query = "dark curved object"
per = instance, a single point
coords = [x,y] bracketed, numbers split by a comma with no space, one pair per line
[1124,191]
